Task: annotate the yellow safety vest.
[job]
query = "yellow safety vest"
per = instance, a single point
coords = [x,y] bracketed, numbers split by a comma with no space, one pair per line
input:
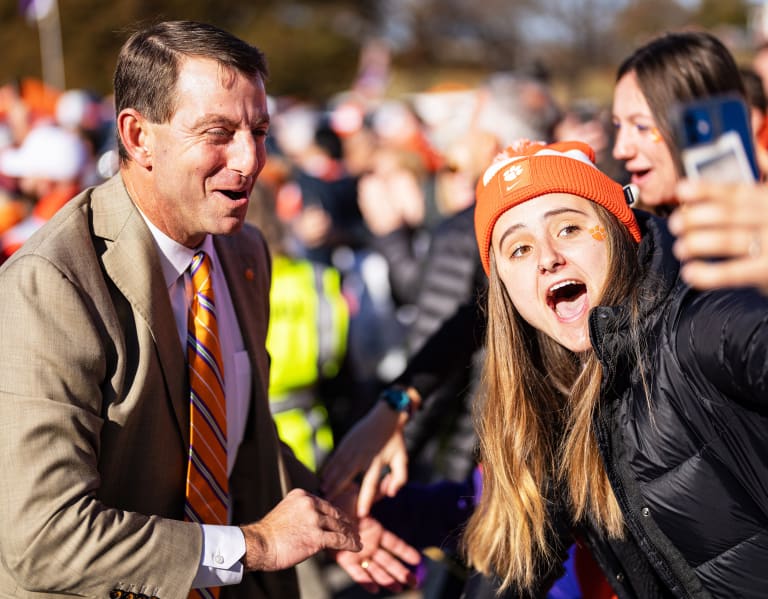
[307,341]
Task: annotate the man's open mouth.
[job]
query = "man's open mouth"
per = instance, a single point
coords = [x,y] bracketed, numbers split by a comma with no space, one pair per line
[567,298]
[234,194]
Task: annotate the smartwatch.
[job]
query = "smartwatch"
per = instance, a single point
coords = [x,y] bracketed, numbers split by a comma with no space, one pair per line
[398,400]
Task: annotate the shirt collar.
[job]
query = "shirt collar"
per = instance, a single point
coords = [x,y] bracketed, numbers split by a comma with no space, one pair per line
[175,257]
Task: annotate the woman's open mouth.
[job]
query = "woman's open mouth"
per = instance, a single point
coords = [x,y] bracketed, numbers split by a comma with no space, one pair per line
[639,176]
[567,298]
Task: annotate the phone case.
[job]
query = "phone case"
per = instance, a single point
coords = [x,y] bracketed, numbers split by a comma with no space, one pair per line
[715,137]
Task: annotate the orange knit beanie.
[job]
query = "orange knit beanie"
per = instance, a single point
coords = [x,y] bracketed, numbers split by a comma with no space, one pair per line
[528,170]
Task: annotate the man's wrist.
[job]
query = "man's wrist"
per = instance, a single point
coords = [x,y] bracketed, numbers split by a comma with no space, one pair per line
[255,547]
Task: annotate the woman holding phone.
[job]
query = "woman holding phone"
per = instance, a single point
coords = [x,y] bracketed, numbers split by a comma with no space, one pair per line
[723,220]
[670,70]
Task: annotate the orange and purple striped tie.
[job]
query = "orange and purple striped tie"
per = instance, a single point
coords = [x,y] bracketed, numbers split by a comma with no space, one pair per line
[207,486]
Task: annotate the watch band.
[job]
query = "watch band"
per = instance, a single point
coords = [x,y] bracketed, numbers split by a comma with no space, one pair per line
[397,399]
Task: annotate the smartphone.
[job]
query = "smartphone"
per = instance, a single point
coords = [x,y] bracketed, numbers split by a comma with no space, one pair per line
[715,139]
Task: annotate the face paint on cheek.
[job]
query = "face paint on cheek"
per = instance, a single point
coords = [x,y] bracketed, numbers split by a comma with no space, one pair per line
[655,135]
[598,232]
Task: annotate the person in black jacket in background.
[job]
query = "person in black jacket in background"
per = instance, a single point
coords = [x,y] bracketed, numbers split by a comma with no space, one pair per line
[618,404]
[448,276]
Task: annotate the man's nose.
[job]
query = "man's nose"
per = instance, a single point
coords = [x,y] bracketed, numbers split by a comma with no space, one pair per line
[245,155]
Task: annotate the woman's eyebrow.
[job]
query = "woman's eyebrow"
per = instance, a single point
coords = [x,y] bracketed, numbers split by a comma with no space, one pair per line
[550,213]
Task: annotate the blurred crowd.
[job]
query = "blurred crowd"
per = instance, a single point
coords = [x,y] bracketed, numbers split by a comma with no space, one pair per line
[381,190]
[366,202]
[375,191]
[53,144]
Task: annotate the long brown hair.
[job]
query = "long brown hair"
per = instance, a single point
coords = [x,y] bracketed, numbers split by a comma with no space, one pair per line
[534,419]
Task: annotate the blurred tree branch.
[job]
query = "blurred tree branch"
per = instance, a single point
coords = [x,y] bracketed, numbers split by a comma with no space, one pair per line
[313,46]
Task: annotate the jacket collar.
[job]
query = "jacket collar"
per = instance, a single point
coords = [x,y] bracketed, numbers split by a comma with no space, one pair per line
[659,275]
[130,260]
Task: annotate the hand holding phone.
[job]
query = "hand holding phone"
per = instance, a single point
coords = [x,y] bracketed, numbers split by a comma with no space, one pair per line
[715,139]
[721,225]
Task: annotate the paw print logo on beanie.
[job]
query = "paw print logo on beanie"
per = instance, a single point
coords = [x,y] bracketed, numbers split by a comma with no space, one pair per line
[514,177]
[528,170]
[513,172]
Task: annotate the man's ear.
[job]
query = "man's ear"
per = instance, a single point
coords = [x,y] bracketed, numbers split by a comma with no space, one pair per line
[136,134]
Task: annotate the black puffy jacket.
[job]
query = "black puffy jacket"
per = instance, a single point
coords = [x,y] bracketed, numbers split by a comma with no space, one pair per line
[689,461]
[440,437]
[444,342]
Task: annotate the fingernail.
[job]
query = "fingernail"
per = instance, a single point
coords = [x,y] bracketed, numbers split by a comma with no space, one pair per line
[685,273]
[678,249]
[674,223]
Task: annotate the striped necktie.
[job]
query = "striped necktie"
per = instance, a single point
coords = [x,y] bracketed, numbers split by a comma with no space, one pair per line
[207,486]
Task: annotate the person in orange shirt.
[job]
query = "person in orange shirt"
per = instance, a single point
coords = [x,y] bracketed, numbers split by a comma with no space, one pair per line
[49,165]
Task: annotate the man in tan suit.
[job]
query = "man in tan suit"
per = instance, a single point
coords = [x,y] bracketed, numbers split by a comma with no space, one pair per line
[94,391]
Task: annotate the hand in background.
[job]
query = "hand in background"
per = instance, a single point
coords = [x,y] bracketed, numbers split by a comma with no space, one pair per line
[374,442]
[390,197]
[724,221]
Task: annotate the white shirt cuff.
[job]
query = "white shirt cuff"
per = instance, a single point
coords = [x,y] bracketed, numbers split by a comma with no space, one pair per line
[220,564]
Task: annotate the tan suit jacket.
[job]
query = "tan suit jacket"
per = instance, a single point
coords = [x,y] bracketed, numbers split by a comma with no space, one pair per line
[94,416]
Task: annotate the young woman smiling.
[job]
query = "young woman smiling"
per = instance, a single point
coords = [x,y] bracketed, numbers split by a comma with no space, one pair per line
[672,68]
[718,220]
[619,406]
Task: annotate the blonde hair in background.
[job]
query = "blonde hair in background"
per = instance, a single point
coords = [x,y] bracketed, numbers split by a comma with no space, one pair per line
[535,422]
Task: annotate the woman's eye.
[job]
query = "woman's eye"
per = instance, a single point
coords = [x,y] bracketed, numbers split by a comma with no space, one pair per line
[520,250]
[568,230]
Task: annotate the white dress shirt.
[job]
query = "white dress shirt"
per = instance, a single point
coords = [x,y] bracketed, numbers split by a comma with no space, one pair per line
[223,546]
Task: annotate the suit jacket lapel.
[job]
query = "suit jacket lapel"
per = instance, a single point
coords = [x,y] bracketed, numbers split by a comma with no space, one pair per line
[132,263]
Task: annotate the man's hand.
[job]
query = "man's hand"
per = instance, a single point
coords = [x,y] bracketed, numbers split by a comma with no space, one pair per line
[298,527]
[374,442]
[381,563]
[724,221]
